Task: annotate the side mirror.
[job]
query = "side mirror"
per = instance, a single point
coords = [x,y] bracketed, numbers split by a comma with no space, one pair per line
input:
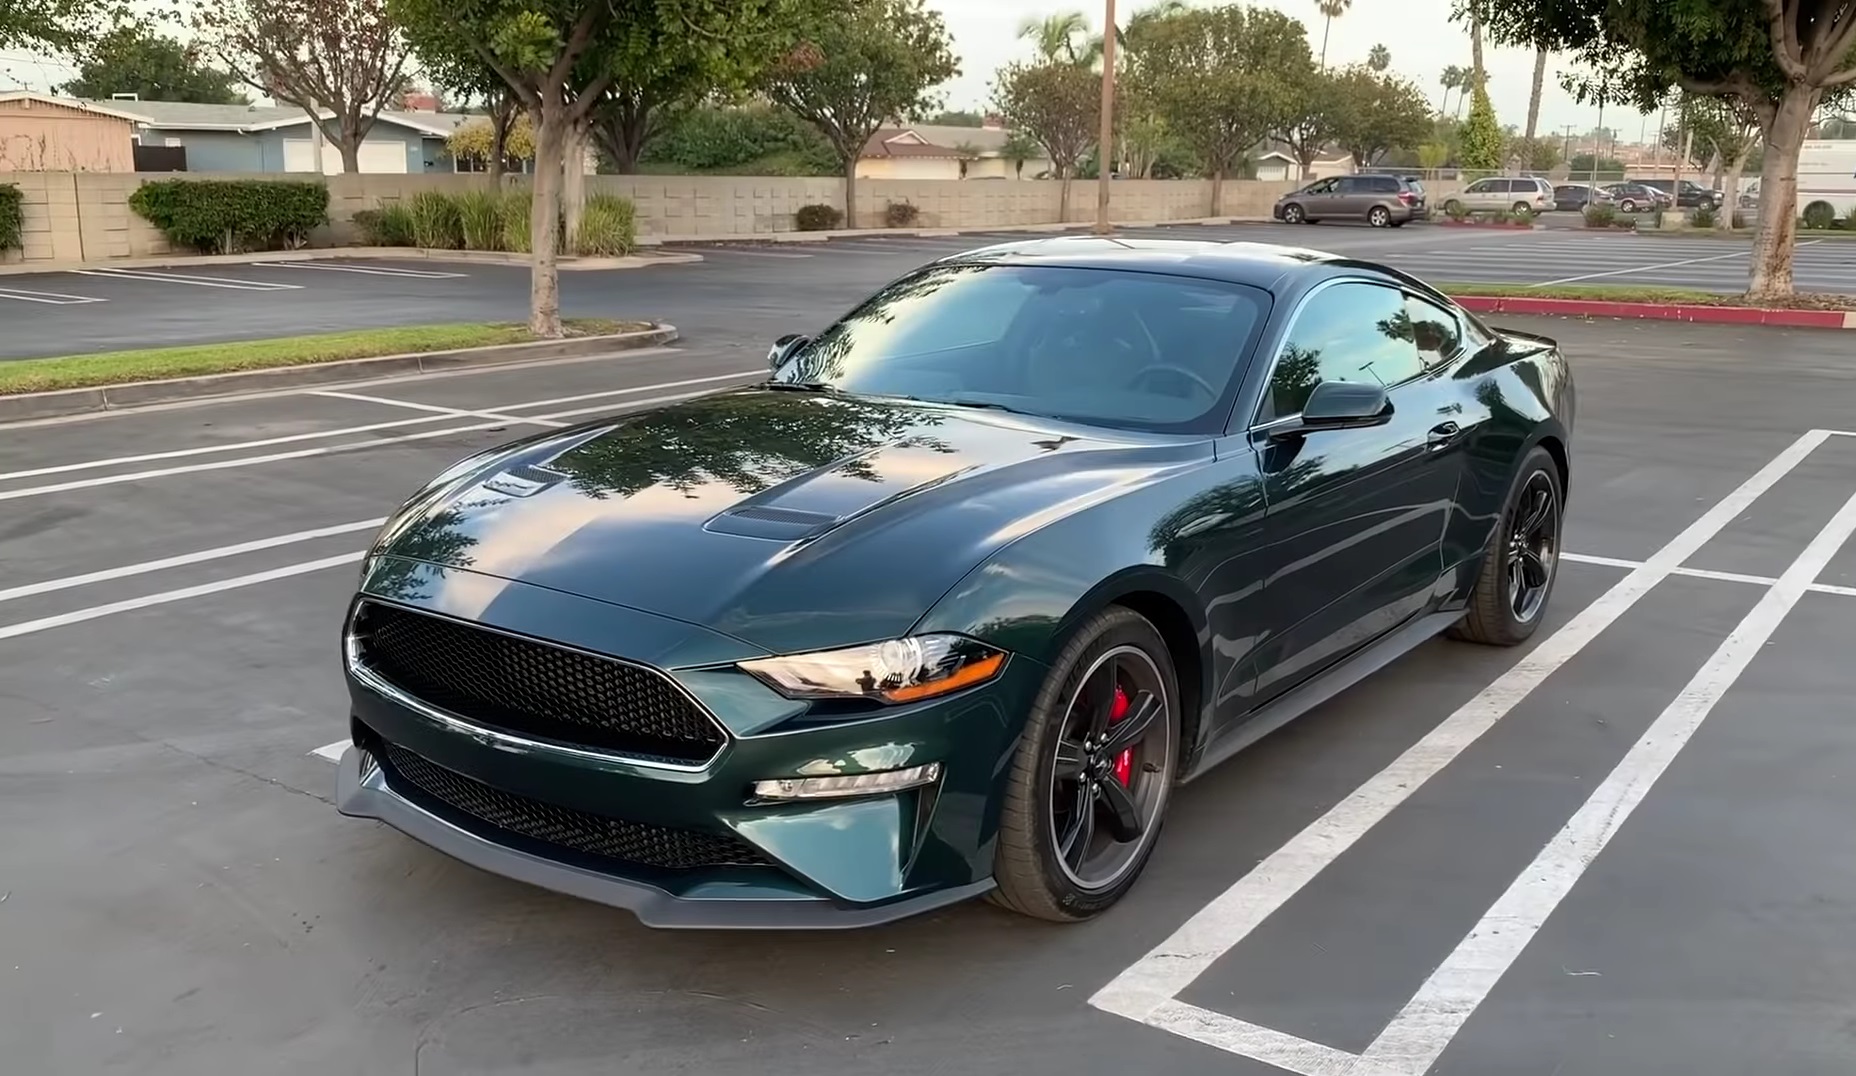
[1337,405]
[783,349]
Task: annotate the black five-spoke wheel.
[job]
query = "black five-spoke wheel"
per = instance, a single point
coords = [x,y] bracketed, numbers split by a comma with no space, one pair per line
[1516,577]
[1533,546]
[1093,773]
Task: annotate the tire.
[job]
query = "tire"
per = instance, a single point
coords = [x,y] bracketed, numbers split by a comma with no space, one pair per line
[1493,618]
[1627,206]
[1452,207]
[1522,207]
[1032,878]
[1379,216]
[1293,214]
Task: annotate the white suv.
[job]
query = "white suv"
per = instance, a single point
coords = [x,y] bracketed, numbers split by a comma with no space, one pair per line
[1503,194]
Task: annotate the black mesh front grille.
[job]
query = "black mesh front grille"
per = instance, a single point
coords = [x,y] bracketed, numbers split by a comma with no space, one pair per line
[592,834]
[533,689]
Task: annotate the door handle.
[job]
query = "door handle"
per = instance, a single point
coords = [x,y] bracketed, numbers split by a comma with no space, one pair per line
[1443,436]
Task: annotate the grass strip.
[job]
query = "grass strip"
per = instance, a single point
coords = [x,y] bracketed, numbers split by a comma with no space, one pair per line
[192,360]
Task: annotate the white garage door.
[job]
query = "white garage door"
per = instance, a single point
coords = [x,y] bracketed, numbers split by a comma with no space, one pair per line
[385,156]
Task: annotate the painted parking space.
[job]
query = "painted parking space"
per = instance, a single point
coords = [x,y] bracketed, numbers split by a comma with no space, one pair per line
[168,685]
[48,298]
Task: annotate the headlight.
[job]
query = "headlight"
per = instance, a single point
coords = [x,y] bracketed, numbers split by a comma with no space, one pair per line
[900,670]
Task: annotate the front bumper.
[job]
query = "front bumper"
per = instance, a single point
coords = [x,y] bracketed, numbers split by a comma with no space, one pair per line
[363,791]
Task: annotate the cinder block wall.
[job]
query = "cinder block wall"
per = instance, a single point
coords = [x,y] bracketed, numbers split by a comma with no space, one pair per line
[85,216]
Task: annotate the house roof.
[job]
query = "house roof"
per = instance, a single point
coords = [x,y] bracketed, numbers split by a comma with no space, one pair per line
[71,102]
[246,119]
[907,142]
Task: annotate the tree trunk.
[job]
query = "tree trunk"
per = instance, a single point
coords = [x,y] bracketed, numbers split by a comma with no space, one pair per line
[1326,25]
[544,281]
[1306,158]
[1217,189]
[1063,196]
[621,130]
[1533,102]
[1730,188]
[573,179]
[850,192]
[502,118]
[1479,75]
[349,146]
[1771,272]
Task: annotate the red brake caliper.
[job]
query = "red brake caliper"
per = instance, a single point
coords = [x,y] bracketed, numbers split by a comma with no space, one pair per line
[1124,762]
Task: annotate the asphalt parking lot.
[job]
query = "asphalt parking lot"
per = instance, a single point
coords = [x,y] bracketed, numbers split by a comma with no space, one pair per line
[1625,850]
[756,291]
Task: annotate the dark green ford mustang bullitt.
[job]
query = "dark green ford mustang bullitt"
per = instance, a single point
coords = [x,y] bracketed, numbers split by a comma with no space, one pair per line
[951,604]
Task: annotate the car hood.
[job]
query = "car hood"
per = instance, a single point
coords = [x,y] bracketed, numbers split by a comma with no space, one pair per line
[789,520]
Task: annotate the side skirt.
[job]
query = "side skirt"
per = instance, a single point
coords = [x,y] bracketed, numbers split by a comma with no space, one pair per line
[1317,691]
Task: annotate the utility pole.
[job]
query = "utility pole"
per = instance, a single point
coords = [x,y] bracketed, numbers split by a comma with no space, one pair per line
[1105,140]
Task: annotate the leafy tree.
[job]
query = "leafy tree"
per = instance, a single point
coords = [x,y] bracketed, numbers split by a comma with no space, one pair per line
[879,60]
[710,139]
[1379,59]
[1331,10]
[1377,113]
[1724,128]
[476,140]
[1020,147]
[134,58]
[1482,135]
[1223,78]
[1432,155]
[345,57]
[1782,58]
[1319,119]
[955,118]
[1062,37]
[1536,154]
[53,24]
[1060,105]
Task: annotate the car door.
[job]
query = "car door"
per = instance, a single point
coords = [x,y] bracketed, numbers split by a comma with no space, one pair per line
[1354,518]
[1480,195]
[1321,199]
[1351,197]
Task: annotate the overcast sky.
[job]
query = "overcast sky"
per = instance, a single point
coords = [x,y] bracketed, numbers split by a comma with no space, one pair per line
[1419,33]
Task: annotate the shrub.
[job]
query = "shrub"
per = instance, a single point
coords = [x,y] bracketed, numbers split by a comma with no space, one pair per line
[1705,217]
[12,218]
[1520,216]
[1819,216]
[900,214]
[607,227]
[516,207]
[225,217]
[817,217]
[1600,215]
[436,222]
[388,226]
[480,220]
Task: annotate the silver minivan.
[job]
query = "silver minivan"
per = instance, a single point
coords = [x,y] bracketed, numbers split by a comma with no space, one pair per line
[1502,194]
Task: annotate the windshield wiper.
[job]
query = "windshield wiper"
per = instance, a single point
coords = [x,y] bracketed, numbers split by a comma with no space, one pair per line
[802,386]
[986,405]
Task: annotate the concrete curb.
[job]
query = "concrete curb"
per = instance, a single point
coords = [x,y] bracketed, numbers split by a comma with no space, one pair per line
[62,402]
[466,257]
[922,233]
[1714,315]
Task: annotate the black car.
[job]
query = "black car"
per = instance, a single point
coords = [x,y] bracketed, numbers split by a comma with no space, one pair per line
[1577,196]
[951,603]
[1690,194]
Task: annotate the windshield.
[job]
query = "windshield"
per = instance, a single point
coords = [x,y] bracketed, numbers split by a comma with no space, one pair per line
[1142,350]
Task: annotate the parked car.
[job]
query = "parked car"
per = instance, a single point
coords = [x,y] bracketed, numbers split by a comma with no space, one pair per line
[1631,196]
[1577,196]
[1381,201]
[952,602]
[1503,194]
[1691,195]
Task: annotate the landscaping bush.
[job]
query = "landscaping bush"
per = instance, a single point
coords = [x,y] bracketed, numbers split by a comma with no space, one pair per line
[900,214]
[1520,216]
[388,226]
[1705,217]
[1819,216]
[516,208]
[607,227]
[436,222]
[480,219]
[228,216]
[1600,215]
[12,218]
[817,218]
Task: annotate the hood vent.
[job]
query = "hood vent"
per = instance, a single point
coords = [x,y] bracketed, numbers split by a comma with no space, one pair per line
[770,521]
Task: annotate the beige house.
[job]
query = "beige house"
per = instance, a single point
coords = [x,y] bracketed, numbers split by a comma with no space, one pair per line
[41,133]
[1277,165]
[928,151]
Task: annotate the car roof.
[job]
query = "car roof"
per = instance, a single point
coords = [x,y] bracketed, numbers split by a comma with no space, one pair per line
[1269,266]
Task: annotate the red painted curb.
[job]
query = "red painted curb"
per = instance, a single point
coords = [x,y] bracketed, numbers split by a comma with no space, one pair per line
[1490,227]
[1598,308]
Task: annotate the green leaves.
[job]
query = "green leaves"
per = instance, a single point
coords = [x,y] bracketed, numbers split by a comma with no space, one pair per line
[1057,102]
[222,217]
[1482,135]
[135,58]
[1376,112]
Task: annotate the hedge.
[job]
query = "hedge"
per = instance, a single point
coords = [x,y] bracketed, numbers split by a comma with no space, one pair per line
[12,218]
[228,216]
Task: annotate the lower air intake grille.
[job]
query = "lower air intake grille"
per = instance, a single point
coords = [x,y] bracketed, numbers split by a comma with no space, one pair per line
[595,835]
[534,689]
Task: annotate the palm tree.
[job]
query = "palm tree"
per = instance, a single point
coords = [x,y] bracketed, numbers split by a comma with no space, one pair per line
[1330,10]
[1454,78]
[1533,102]
[1380,58]
[1472,10]
[1056,36]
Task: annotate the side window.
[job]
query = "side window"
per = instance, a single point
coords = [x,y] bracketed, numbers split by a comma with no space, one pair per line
[1435,331]
[1481,186]
[1347,332]
[1326,186]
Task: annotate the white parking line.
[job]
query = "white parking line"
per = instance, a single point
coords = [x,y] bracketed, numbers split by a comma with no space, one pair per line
[370,270]
[754,253]
[331,752]
[1652,268]
[1704,573]
[78,616]
[1147,991]
[326,450]
[1418,1035]
[198,557]
[183,278]
[50,298]
[452,411]
[233,446]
